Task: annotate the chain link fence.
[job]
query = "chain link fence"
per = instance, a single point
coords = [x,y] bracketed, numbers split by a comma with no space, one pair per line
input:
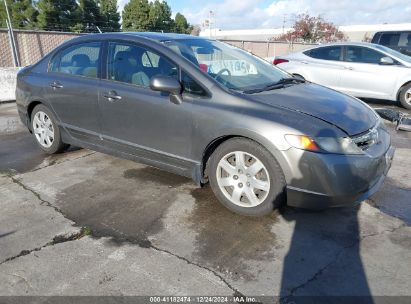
[33,45]
[266,49]
[30,45]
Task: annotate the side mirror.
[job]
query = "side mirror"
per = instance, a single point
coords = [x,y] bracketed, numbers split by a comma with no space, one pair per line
[169,85]
[386,60]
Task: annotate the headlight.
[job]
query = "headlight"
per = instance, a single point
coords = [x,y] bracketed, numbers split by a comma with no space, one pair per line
[335,145]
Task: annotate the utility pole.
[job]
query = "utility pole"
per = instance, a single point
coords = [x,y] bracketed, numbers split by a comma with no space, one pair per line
[210,22]
[284,21]
[13,47]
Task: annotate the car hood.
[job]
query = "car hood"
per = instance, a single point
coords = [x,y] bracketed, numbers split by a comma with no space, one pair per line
[347,113]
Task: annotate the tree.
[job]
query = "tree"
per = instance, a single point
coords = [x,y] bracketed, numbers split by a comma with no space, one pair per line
[87,17]
[196,29]
[181,25]
[110,16]
[57,15]
[312,29]
[154,16]
[136,16]
[160,17]
[22,14]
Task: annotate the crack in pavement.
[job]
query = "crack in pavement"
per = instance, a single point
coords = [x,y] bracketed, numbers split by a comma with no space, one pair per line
[37,195]
[52,163]
[83,232]
[236,292]
[335,259]
[56,240]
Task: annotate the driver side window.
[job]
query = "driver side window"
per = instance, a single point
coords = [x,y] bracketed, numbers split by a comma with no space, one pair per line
[363,55]
[136,65]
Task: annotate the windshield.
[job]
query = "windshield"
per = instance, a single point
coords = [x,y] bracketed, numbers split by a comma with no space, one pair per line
[393,53]
[231,66]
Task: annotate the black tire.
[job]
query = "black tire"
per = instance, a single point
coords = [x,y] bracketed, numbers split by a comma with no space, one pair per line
[57,145]
[276,194]
[401,97]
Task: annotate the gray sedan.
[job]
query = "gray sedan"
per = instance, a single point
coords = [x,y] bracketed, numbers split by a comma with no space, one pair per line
[208,111]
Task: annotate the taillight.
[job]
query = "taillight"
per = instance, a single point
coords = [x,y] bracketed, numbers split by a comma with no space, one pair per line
[203,67]
[279,60]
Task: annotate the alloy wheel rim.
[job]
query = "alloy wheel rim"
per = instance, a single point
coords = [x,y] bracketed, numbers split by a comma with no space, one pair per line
[43,129]
[243,179]
[408,96]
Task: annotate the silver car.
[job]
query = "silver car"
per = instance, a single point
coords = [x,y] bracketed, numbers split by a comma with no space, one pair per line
[359,69]
[209,111]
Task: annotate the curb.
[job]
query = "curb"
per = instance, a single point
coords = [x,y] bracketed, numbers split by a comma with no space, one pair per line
[6,101]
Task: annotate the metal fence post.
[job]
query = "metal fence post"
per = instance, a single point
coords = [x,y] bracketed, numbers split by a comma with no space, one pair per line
[12,41]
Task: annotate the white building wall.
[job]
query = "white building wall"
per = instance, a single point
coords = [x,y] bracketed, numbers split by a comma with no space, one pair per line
[354,32]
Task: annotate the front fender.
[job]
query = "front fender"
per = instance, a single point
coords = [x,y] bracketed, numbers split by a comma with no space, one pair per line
[275,147]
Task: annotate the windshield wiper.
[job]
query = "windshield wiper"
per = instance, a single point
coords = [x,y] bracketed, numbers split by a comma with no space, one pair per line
[291,80]
[276,85]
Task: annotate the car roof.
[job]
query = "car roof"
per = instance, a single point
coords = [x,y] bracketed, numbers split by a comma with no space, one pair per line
[348,43]
[344,43]
[162,36]
[159,37]
[393,32]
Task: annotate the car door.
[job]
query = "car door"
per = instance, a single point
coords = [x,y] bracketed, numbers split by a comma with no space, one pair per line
[71,88]
[365,76]
[324,65]
[136,119]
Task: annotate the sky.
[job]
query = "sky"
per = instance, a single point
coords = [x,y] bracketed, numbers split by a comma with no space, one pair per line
[251,14]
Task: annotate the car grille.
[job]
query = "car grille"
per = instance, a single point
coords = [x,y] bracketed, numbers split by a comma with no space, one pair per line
[367,139]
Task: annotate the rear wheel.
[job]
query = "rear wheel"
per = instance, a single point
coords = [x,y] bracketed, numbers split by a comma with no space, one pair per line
[46,130]
[405,96]
[246,178]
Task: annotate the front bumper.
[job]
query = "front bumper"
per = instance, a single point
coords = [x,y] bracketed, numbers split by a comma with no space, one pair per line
[321,181]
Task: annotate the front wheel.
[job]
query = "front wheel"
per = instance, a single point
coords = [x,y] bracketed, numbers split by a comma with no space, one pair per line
[405,96]
[46,130]
[246,178]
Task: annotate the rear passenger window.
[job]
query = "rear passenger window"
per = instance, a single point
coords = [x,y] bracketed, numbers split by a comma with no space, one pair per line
[134,64]
[79,59]
[325,53]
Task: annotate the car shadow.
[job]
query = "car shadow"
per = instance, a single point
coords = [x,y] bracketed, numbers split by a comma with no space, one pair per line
[323,263]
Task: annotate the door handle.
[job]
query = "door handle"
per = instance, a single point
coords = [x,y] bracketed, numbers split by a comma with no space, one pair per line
[56,85]
[112,96]
[304,62]
[348,68]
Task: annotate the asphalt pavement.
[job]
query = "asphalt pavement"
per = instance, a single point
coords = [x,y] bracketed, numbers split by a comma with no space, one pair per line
[85,223]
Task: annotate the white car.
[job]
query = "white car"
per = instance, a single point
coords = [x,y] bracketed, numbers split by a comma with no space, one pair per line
[359,69]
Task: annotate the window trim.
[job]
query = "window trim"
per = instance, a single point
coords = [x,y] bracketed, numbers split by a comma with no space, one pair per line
[63,48]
